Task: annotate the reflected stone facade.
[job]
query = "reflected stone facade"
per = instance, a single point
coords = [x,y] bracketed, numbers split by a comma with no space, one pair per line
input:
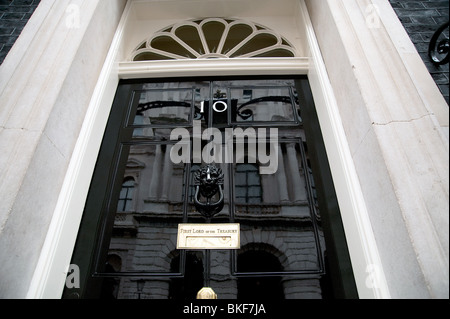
[282,247]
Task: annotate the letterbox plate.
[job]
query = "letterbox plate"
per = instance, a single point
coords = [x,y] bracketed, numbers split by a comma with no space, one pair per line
[208,236]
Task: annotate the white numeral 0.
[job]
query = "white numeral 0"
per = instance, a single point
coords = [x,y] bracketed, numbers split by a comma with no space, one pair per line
[225,106]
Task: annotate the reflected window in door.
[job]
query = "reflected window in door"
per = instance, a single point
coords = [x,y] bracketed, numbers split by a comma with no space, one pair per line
[126,195]
[248,184]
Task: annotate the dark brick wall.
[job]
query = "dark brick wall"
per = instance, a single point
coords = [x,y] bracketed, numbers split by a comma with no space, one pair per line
[14,14]
[421,18]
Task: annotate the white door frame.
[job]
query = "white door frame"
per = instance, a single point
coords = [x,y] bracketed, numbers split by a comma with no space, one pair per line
[51,272]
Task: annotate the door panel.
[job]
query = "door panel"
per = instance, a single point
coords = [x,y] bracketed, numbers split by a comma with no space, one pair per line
[126,246]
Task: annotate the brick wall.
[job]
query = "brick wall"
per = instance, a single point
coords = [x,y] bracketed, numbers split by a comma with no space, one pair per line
[421,18]
[14,14]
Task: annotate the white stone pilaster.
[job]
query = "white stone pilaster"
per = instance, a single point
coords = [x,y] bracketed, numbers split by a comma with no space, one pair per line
[156,174]
[395,121]
[46,84]
[167,174]
[281,178]
[298,191]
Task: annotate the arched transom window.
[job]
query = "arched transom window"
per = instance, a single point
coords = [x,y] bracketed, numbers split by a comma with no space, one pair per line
[213,38]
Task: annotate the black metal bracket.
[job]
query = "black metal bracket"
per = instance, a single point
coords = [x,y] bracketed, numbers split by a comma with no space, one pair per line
[439,45]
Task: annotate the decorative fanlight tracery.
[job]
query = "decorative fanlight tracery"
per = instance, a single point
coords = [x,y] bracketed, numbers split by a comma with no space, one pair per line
[213,38]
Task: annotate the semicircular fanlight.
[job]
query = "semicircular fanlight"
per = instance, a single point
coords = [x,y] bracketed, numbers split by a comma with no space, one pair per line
[213,38]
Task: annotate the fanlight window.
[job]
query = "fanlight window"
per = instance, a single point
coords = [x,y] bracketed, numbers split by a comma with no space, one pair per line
[213,38]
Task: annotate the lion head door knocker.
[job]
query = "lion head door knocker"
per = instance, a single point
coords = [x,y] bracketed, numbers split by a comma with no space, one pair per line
[208,181]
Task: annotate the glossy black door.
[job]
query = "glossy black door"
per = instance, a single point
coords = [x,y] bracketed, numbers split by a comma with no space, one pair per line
[258,131]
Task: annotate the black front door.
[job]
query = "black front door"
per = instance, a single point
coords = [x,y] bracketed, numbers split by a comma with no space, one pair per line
[264,136]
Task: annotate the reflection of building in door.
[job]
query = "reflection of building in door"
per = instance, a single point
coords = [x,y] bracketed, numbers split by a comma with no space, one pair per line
[282,246]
